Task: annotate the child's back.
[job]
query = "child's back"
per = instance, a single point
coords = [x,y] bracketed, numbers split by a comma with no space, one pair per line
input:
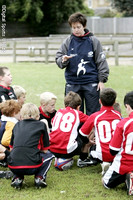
[104,123]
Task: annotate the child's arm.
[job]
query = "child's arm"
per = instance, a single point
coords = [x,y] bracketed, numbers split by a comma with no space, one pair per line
[46,123]
[3,152]
[92,137]
[6,138]
[44,151]
[44,139]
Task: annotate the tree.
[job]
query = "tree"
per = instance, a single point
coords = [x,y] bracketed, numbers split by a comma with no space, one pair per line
[124,6]
[43,16]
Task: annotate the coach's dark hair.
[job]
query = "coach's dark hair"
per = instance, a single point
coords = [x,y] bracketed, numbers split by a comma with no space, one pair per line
[72,100]
[77,17]
[2,73]
[108,97]
[128,99]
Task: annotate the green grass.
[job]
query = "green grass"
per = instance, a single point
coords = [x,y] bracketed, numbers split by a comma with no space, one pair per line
[37,78]
[76,183]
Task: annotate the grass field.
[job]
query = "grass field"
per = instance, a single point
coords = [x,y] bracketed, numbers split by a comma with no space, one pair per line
[76,183]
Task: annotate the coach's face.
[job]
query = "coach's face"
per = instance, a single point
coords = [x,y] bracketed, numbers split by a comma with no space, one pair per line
[77,29]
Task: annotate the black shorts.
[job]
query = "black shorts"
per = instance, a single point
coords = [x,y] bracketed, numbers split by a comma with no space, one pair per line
[77,151]
[111,178]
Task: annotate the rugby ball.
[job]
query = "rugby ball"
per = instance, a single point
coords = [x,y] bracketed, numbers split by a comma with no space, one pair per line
[63,163]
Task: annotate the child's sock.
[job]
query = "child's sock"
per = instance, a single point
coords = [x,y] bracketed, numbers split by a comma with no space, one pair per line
[83,155]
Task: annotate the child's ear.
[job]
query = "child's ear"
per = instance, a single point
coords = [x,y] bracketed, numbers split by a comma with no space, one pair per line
[128,107]
[78,107]
[100,101]
[37,117]
[43,105]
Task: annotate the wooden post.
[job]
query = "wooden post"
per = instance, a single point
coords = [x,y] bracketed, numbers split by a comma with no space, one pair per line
[14,51]
[116,53]
[132,41]
[46,52]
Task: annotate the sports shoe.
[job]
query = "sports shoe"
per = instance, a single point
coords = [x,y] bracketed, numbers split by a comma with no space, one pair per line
[6,174]
[105,166]
[17,183]
[86,162]
[129,183]
[40,183]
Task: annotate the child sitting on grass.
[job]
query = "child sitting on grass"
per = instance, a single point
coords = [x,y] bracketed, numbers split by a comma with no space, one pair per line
[10,116]
[20,93]
[65,140]
[47,107]
[104,123]
[6,91]
[29,148]
[121,146]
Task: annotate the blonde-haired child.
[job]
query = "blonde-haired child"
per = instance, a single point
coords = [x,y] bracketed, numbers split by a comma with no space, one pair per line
[29,148]
[29,110]
[47,107]
[20,93]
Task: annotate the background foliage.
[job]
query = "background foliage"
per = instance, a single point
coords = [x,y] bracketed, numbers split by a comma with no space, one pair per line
[124,6]
[43,16]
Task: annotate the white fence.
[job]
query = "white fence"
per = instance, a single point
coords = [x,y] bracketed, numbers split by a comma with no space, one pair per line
[44,49]
[107,26]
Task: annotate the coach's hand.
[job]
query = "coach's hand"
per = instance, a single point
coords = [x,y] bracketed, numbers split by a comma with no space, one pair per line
[65,58]
[100,86]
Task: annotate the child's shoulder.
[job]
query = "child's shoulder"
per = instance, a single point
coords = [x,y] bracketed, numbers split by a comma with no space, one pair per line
[2,88]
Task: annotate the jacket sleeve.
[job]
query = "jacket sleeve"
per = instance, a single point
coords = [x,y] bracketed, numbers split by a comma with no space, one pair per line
[63,51]
[7,134]
[100,60]
[3,97]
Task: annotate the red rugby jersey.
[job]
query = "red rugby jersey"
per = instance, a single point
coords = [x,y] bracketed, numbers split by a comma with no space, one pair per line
[122,141]
[104,123]
[65,130]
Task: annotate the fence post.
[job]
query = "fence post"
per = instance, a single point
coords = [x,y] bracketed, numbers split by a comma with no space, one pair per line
[114,25]
[14,51]
[132,41]
[116,53]
[46,52]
